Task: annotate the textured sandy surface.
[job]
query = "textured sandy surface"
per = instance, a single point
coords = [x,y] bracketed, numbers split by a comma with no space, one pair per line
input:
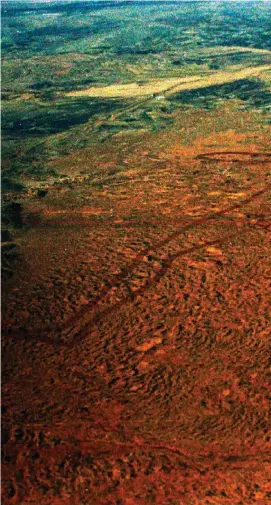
[136,334]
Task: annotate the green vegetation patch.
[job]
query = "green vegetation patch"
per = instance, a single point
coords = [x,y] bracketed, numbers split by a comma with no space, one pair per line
[24,118]
[250,91]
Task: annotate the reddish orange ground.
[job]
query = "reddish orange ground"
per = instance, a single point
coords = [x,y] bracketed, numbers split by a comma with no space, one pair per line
[135,343]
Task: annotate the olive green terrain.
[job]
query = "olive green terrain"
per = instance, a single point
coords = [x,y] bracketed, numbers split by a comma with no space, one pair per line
[52,49]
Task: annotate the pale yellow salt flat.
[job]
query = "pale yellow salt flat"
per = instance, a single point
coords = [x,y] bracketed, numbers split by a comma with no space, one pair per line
[168,86]
[132,89]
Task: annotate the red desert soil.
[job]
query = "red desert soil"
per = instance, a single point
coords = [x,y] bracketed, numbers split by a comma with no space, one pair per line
[135,342]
